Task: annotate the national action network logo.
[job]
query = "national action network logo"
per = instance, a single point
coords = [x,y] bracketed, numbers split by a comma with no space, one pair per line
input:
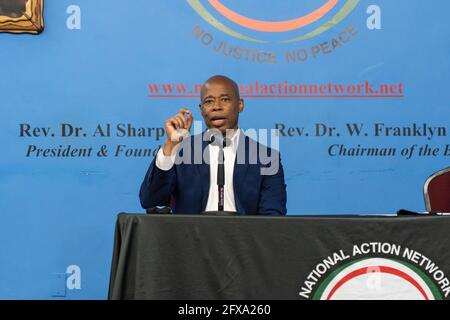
[376,271]
[312,21]
[378,278]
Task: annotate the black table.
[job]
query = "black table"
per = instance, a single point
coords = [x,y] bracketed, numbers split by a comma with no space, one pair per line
[254,257]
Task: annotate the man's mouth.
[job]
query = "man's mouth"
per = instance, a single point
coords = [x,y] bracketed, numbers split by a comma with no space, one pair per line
[218,121]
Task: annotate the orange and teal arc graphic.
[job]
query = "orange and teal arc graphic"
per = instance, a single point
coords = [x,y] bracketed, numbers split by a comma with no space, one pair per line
[208,17]
[335,20]
[273,26]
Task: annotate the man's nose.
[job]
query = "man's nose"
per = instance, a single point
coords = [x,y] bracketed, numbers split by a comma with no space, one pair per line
[217,105]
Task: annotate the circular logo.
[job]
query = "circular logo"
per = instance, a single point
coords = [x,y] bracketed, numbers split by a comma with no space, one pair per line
[232,17]
[377,279]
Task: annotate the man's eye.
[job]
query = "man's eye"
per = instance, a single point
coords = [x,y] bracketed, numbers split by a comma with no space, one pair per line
[225,99]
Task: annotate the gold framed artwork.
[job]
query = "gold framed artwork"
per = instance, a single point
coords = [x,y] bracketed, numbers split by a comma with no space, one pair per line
[22,16]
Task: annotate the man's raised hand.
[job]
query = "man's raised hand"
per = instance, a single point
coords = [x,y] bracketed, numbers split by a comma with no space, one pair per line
[177,128]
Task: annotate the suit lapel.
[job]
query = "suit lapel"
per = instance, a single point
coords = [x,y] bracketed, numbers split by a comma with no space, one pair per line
[205,177]
[240,171]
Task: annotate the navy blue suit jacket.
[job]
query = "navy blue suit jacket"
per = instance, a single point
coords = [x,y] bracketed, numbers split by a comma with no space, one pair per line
[186,186]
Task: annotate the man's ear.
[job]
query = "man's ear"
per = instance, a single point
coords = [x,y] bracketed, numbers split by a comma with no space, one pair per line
[241,105]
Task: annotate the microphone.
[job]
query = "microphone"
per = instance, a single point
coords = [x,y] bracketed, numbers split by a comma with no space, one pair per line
[221,142]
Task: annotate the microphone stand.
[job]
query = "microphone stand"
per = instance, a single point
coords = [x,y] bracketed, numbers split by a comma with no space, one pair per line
[221,177]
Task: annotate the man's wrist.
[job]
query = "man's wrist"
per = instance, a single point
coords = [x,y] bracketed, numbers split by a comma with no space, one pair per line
[168,148]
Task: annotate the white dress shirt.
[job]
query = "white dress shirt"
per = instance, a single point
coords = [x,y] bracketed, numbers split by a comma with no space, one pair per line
[166,163]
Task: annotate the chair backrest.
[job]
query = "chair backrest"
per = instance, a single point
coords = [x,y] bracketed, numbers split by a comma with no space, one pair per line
[437,191]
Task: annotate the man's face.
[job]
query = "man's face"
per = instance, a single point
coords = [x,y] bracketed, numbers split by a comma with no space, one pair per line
[220,105]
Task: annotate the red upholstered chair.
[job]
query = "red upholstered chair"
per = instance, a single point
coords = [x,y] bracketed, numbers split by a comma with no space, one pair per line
[437,191]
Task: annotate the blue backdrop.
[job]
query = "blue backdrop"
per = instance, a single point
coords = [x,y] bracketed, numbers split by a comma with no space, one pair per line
[60,211]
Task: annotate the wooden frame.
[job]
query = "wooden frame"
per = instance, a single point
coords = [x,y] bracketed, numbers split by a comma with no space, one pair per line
[426,185]
[32,20]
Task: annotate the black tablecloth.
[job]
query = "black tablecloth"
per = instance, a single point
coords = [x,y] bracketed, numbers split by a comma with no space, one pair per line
[253,257]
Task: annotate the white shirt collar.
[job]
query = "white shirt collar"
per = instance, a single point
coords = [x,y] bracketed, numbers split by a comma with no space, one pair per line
[234,139]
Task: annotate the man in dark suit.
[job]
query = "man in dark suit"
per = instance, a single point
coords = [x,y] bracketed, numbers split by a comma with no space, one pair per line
[184,173]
